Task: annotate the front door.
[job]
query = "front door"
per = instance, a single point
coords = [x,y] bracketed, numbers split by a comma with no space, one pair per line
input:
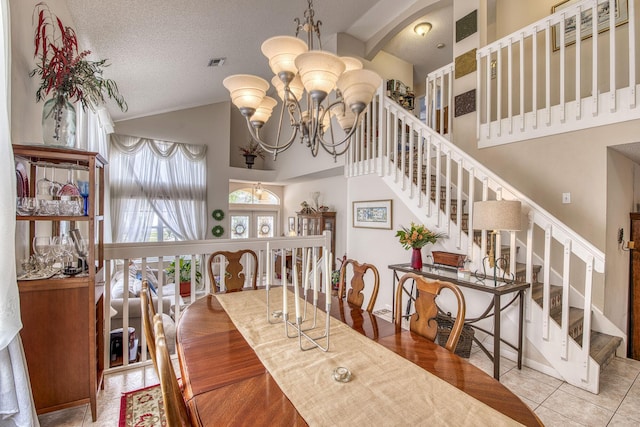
[251,224]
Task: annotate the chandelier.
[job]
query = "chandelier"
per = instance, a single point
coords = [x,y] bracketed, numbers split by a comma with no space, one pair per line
[304,80]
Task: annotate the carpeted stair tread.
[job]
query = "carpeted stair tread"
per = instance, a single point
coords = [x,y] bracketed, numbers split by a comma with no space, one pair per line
[575,321]
[603,347]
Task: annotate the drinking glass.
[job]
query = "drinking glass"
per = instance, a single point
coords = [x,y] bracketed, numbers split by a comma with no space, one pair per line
[70,188]
[42,249]
[83,186]
[26,205]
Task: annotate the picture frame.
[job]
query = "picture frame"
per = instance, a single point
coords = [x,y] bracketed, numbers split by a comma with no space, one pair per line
[622,17]
[373,214]
[292,224]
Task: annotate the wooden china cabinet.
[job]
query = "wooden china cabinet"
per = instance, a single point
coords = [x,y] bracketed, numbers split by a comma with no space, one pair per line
[63,315]
[312,224]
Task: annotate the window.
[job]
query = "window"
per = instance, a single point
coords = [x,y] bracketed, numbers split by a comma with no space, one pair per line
[255,212]
[158,190]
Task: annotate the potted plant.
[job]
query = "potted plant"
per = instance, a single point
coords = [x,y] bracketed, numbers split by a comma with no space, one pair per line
[68,76]
[250,152]
[415,238]
[184,269]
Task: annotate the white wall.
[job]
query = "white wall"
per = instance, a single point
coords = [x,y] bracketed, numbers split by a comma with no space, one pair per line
[333,193]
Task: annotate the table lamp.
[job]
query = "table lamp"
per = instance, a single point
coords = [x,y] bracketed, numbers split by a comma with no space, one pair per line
[496,215]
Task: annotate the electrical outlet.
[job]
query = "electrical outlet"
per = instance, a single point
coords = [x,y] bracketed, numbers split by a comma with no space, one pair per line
[620,235]
[566,198]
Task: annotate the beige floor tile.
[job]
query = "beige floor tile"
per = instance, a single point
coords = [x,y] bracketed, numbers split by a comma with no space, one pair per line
[620,367]
[630,406]
[527,385]
[108,415]
[72,417]
[480,360]
[613,388]
[551,418]
[577,409]
[620,420]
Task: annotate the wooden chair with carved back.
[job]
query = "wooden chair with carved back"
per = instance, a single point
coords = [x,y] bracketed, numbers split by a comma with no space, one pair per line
[233,270]
[422,318]
[175,407]
[357,273]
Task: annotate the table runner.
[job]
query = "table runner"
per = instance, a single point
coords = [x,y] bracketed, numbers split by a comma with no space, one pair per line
[385,389]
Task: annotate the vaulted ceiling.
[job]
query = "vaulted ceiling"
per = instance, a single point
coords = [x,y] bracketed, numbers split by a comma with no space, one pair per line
[159,50]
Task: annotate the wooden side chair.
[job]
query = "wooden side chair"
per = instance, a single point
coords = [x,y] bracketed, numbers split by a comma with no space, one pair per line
[423,320]
[354,294]
[148,313]
[176,411]
[234,277]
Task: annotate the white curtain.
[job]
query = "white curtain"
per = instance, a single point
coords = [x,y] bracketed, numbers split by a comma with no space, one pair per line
[149,177]
[16,402]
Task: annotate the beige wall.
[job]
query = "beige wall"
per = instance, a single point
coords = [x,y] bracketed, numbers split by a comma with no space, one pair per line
[207,125]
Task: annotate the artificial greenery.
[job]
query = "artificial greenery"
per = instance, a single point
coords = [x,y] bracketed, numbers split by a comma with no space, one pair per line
[64,69]
[185,270]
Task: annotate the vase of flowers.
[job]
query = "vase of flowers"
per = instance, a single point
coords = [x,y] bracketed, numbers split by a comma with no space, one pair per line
[67,76]
[415,238]
[250,152]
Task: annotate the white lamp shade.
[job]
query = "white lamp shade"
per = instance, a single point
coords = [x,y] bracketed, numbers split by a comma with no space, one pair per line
[295,86]
[345,118]
[246,91]
[282,52]
[351,63]
[263,112]
[359,86]
[497,215]
[319,71]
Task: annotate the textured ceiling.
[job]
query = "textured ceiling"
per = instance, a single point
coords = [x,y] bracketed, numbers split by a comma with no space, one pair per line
[159,50]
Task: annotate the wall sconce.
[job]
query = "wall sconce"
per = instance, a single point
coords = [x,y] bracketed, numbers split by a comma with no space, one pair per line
[629,246]
[422,28]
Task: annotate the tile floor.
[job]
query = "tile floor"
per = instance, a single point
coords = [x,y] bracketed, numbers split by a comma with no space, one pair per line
[555,402]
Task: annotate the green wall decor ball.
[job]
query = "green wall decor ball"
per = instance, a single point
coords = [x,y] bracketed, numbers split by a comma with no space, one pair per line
[217,231]
[218,214]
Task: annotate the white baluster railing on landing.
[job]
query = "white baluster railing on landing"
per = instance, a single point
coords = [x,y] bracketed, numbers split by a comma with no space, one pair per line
[396,141]
[547,89]
[157,257]
[439,99]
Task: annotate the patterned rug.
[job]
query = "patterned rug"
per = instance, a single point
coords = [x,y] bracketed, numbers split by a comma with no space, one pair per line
[142,408]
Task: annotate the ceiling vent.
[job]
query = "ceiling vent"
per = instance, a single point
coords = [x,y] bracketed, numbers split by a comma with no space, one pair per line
[216,62]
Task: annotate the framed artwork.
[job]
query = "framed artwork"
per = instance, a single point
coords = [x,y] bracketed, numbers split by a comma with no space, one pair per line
[586,21]
[372,214]
[292,224]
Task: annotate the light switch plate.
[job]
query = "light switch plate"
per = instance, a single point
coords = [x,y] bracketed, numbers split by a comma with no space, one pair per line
[566,198]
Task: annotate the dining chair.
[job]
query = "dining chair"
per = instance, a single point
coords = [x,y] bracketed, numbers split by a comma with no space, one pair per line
[176,411]
[358,271]
[234,277]
[148,313]
[423,319]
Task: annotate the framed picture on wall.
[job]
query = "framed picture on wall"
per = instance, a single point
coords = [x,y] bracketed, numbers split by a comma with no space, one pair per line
[586,21]
[372,214]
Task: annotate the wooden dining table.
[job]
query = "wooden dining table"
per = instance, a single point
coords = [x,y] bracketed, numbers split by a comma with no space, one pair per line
[225,383]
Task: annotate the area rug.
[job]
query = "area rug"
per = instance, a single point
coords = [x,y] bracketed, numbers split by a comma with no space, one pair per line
[142,408]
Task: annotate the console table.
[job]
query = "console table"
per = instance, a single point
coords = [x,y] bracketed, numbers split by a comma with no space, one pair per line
[513,290]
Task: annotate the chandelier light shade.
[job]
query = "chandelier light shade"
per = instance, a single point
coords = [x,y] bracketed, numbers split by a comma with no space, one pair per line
[319,71]
[281,51]
[358,87]
[314,85]
[246,91]
[263,112]
[351,63]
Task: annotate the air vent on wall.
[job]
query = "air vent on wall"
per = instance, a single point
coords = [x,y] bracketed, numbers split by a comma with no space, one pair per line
[216,62]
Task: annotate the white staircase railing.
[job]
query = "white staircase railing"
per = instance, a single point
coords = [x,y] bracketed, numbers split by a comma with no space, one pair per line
[412,157]
[544,80]
[439,99]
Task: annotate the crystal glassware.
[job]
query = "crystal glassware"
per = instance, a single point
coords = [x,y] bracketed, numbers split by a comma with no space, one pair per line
[26,205]
[83,186]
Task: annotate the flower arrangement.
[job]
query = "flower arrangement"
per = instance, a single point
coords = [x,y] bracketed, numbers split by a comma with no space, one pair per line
[417,236]
[252,149]
[64,69]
